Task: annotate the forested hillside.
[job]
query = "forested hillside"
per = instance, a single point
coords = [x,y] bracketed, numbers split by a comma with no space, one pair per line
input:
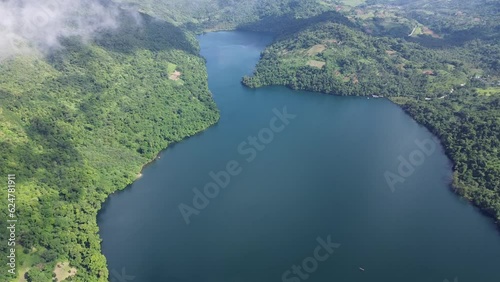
[209,15]
[77,122]
[427,55]
[80,122]
[469,128]
[335,58]
[441,62]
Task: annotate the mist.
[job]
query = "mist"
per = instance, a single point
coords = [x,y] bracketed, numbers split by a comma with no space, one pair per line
[30,26]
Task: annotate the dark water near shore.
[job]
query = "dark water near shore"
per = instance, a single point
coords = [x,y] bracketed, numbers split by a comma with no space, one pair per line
[319,174]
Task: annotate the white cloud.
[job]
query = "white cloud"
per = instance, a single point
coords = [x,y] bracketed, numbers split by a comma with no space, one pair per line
[38,24]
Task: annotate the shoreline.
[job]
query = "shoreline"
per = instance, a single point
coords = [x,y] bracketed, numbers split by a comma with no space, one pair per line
[452,185]
[138,177]
[140,174]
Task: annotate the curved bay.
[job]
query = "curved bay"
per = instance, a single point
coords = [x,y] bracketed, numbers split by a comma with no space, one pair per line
[322,175]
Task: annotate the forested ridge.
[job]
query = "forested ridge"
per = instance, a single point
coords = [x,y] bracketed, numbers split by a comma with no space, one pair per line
[79,123]
[441,63]
[469,129]
[210,15]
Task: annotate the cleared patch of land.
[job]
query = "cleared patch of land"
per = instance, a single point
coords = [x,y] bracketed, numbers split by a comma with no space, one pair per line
[64,271]
[175,75]
[316,64]
[353,3]
[488,91]
[316,49]
[401,100]
[22,273]
[428,31]
[171,67]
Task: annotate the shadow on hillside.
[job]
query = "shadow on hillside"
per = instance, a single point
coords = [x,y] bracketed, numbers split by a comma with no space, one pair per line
[144,32]
[55,161]
[288,24]
[457,38]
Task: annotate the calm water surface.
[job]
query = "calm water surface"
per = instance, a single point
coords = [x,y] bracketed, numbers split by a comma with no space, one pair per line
[322,176]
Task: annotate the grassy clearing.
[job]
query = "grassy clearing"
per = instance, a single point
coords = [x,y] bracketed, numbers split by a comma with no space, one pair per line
[316,49]
[171,68]
[353,3]
[401,100]
[64,271]
[175,75]
[316,64]
[488,91]
[26,260]
[417,31]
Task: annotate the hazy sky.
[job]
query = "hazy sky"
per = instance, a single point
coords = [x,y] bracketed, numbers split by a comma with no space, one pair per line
[42,22]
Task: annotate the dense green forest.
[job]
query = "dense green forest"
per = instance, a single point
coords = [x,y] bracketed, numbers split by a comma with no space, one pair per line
[336,58]
[468,126]
[79,124]
[210,15]
[426,55]
[440,62]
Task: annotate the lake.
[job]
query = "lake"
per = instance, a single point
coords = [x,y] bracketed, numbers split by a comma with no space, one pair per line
[294,186]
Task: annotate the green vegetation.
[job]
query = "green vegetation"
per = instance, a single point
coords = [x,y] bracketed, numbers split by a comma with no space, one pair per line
[79,124]
[356,63]
[463,19]
[352,3]
[468,125]
[439,62]
[488,91]
[451,61]
[210,15]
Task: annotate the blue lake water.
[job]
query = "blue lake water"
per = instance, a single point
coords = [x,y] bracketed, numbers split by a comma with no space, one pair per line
[307,197]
